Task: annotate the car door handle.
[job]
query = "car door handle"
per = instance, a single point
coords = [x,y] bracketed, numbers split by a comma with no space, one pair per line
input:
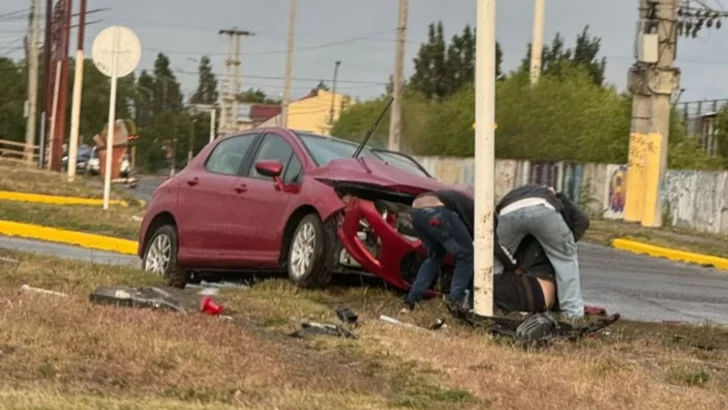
[241,188]
[193,181]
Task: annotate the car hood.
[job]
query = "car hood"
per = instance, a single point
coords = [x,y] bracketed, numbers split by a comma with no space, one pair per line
[371,171]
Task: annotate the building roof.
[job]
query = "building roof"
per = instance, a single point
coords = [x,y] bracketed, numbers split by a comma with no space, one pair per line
[263,112]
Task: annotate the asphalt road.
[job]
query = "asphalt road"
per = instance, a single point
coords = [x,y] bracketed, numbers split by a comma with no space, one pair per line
[639,287]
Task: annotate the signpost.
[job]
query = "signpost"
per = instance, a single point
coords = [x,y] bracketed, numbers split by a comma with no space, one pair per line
[116,53]
[484,156]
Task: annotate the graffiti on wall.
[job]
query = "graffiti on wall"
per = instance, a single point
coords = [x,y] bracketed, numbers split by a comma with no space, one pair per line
[544,173]
[616,191]
[572,180]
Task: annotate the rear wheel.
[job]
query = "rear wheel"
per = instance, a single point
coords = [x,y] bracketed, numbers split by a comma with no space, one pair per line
[160,257]
[307,254]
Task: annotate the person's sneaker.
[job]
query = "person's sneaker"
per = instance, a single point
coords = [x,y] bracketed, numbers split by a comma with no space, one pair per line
[408,306]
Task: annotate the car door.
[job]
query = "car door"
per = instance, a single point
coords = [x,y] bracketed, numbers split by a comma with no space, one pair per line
[209,198]
[270,205]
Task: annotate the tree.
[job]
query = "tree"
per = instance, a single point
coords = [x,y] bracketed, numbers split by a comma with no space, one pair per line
[167,93]
[443,69]
[206,92]
[555,57]
[13,83]
[321,86]
[256,96]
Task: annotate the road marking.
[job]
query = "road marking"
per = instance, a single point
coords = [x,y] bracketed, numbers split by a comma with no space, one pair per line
[55,199]
[85,240]
[671,254]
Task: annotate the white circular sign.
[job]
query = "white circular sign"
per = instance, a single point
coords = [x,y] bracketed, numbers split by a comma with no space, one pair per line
[124,42]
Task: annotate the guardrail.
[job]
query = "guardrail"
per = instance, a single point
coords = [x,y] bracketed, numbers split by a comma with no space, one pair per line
[15,152]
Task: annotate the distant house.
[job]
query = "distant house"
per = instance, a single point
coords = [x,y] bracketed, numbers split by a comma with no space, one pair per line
[312,113]
[253,115]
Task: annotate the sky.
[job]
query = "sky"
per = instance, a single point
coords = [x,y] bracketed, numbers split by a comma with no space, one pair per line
[361,34]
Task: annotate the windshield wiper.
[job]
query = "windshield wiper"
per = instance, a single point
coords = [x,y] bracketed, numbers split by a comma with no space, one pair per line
[371,130]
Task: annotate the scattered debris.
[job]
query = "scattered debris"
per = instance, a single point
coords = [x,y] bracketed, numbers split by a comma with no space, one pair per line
[314,328]
[28,288]
[346,315]
[136,218]
[439,324]
[5,259]
[230,285]
[394,321]
[209,306]
[151,297]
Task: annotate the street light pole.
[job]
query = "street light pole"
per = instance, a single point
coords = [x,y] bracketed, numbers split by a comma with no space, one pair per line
[333,93]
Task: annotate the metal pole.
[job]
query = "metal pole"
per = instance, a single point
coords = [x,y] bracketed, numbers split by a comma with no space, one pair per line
[395,121]
[484,157]
[77,95]
[289,64]
[333,95]
[539,12]
[112,114]
[41,143]
[212,124]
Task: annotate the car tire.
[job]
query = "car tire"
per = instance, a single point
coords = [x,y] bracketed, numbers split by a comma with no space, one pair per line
[306,263]
[160,257]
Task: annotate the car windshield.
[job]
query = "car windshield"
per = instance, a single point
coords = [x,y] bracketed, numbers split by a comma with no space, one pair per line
[325,149]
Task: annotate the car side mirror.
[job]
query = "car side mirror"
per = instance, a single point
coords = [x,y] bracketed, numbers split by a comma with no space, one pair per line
[269,167]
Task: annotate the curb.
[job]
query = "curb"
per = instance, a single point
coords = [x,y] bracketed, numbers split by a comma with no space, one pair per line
[85,240]
[56,199]
[671,254]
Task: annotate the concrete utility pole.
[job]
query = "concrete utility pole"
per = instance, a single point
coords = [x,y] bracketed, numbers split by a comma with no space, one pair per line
[32,81]
[231,84]
[395,119]
[653,80]
[484,156]
[48,45]
[539,15]
[333,95]
[60,112]
[289,63]
[77,87]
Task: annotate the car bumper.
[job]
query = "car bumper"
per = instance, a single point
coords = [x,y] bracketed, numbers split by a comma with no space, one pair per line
[392,247]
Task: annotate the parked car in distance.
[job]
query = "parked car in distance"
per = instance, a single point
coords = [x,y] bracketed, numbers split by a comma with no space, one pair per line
[278,199]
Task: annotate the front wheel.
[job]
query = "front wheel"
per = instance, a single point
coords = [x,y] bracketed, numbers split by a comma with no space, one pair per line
[307,254]
[160,257]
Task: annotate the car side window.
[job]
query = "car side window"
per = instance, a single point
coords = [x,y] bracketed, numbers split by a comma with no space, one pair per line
[292,174]
[273,147]
[228,156]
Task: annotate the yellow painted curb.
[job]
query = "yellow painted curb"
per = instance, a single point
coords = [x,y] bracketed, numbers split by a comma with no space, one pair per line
[55,199]
[672,254]
[86,240]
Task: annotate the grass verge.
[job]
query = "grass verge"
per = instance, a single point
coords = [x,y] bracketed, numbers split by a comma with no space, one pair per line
[66,353]
[117,221]
[604,231]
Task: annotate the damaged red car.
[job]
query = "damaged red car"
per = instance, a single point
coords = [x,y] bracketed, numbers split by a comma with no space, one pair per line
[277,199]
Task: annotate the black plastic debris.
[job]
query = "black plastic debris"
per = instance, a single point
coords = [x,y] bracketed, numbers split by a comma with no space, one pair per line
[347,315]
[315,329]
[137,297]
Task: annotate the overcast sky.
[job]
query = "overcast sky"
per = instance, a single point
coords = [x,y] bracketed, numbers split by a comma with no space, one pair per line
[327,31]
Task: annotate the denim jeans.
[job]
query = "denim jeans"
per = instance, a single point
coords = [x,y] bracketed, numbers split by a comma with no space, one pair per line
[441,232]
[550,229]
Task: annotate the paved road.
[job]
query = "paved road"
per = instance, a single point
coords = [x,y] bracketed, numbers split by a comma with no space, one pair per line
[638,287]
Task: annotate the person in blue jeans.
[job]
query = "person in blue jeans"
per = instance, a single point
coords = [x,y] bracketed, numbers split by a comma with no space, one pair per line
[443,220]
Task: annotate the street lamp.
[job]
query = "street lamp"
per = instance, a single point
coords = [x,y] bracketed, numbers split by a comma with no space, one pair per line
[333,92]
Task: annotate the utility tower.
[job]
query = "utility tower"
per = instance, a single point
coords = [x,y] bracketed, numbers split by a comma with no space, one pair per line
[32,80]
[231,81]
[652,81]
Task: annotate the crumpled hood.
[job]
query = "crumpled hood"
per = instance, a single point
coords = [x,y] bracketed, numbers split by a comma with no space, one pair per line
[371,171]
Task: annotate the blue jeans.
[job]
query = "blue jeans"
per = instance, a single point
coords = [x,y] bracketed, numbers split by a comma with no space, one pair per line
[549,228]
[442,231]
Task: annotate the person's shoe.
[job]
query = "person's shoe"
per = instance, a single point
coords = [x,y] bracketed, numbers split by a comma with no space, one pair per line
[408,306]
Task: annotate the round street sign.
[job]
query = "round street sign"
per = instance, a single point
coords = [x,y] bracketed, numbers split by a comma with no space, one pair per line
[124,42]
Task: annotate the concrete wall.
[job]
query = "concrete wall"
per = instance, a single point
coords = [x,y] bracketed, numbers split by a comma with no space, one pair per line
[691,199]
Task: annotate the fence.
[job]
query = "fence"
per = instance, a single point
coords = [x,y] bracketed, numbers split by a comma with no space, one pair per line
[14,152]
[691,199]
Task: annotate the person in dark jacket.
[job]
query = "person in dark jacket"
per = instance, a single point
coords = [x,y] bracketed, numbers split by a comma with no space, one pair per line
[443,220]
[557,224]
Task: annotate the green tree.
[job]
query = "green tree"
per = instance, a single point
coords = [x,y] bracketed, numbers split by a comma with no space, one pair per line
[167,92]
[556,56]
[206,92]
[321,86]
[13,83]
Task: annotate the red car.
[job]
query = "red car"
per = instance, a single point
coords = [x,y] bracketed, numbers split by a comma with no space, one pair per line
[277,199]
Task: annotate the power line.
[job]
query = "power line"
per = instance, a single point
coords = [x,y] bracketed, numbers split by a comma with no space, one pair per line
[269,77]
[325,45]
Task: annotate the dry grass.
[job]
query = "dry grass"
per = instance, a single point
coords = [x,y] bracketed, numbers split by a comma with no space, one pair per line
[67,353]
[32,180]
[603,231]
[117,221]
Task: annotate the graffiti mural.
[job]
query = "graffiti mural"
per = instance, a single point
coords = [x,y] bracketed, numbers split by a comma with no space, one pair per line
[572,180]
[616,191]
[544,173]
